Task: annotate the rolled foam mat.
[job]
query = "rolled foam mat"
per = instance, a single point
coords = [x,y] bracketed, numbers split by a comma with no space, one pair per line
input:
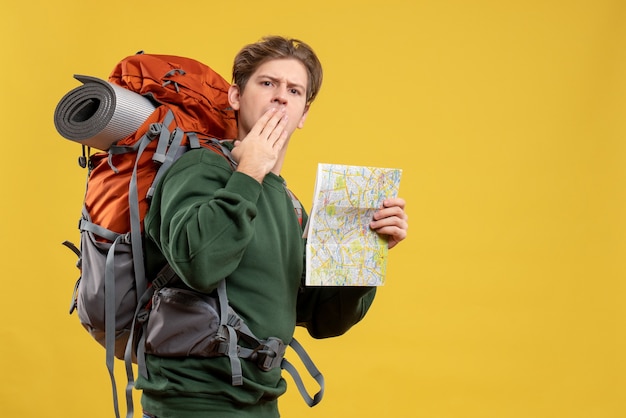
[98,113]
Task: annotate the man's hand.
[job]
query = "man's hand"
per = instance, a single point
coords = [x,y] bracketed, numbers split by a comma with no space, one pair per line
[391,220]
[258,152]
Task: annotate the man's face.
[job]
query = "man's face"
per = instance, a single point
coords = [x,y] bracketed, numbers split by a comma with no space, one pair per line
[276,83]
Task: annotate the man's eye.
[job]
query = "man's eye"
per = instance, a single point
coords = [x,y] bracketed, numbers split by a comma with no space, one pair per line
[295,92]
[266,83]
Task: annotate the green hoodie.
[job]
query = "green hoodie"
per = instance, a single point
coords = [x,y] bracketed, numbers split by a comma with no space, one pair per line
[209,222]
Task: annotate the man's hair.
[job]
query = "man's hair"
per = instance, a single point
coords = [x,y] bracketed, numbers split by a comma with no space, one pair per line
[277,47]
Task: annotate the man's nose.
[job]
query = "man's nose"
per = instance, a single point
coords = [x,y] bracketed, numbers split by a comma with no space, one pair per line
[280,95]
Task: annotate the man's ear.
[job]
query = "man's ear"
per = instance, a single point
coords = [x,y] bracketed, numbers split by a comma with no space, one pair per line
[303,117]
[234,95]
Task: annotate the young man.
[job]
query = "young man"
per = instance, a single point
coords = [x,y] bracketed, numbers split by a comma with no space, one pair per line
[212,222]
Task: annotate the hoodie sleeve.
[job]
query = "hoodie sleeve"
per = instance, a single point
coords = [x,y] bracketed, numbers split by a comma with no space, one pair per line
[201,218]
[331,311]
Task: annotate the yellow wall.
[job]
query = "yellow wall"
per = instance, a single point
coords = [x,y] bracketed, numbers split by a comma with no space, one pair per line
[508,119]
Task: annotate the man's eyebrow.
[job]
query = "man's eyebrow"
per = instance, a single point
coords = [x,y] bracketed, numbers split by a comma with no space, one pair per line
[278,80]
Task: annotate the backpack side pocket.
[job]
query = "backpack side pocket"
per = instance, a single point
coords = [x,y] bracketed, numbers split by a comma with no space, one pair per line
[183,323]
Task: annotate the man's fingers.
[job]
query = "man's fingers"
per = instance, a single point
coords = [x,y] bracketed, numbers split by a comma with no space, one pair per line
[275,116]
[279,133]
[394,201]
[259,126]
[281,139]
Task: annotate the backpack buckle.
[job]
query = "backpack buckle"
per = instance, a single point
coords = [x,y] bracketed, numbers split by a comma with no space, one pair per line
[271,354]
[234,321]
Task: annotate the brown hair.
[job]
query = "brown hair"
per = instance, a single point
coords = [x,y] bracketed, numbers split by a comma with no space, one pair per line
[277,47]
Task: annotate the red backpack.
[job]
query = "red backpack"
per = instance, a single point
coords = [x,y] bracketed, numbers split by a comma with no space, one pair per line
[189,108]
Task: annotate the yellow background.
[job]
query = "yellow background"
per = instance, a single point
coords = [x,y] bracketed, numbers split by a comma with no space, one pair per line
[508,119]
